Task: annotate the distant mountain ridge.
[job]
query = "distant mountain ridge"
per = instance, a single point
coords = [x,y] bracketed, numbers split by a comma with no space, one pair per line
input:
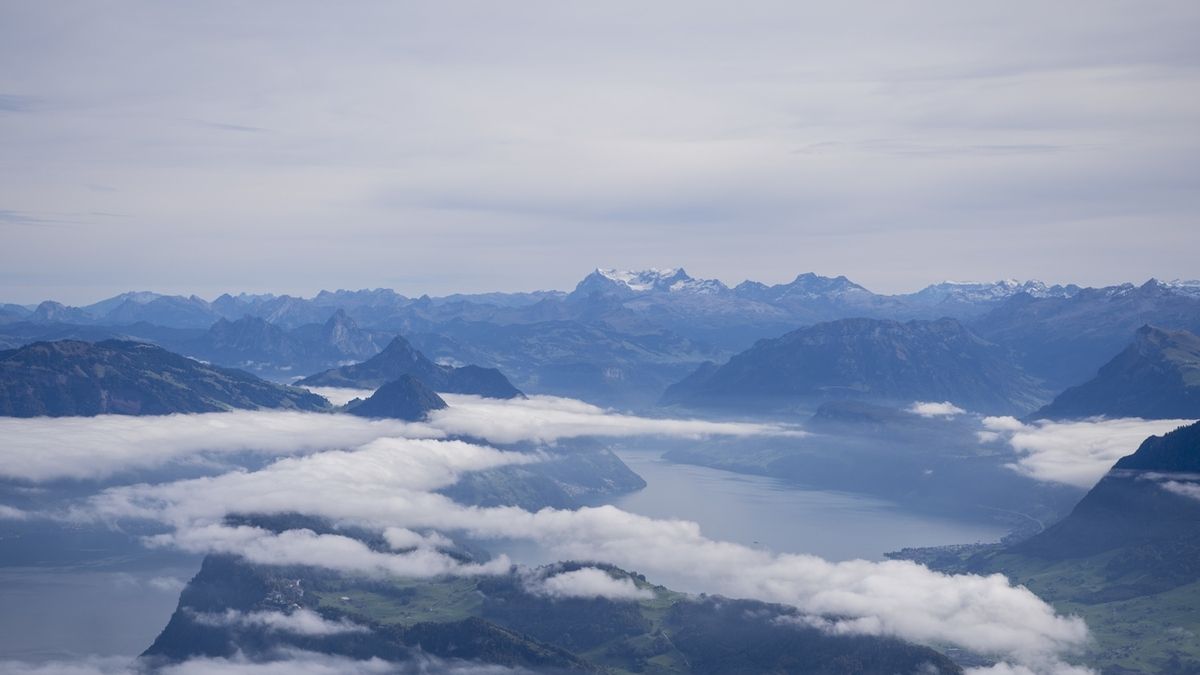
[1155,377]
[405,398]
[400,359]
[289,312]
[129,378]
[646,328]
[255,344]
[868,359]
[1063,340]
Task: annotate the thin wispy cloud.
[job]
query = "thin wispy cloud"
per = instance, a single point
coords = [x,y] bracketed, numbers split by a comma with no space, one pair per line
[298,622]
[1190,490]
[934,409]
[549,418]
[284,662]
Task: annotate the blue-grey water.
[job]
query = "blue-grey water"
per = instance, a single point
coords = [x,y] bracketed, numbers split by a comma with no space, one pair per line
[60,613]
[786,518]
[771,514]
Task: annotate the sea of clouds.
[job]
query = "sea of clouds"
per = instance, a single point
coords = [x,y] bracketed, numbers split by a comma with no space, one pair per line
[384,476]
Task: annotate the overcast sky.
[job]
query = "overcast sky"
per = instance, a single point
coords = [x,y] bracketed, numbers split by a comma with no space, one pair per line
[467,146]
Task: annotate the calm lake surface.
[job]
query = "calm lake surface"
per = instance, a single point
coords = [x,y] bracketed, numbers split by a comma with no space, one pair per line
[52,614]
[783,517]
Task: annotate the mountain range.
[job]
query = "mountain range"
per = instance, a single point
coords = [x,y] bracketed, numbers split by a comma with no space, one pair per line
[400,358]
[1155,377]
[254,344]
[1064,340]
[807,298]
[129,378]
[618,338]
[405,398]
[868,359]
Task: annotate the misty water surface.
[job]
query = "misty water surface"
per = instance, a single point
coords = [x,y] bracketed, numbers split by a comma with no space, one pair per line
[57,613]
[785,518]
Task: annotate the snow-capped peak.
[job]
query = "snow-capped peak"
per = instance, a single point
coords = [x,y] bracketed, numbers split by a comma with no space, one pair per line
[643,280]
[670,279]
[1185,286]
[983,291]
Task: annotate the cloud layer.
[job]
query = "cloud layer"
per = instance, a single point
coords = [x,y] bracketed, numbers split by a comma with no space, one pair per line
[934,409]
[299,622]
[549,418]
[44,449]
[1074,453]
[588,582]
[1190,490]
[286,662]
[387,484]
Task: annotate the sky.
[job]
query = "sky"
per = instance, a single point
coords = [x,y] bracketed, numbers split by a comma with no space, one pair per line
[474,146]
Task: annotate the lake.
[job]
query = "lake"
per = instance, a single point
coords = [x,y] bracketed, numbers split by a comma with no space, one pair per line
[59,613]
[786,518]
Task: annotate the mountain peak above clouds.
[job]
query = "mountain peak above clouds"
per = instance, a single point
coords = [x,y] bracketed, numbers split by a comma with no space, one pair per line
[986,291]
[1185,286]
[653,280]
[805,286]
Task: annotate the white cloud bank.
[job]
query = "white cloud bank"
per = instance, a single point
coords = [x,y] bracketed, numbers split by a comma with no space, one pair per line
[388,484]
[299,622]
[46,449]
[340,395]
[588,582]
[549,418]
[934,409]
[286,662]
[1073,453]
